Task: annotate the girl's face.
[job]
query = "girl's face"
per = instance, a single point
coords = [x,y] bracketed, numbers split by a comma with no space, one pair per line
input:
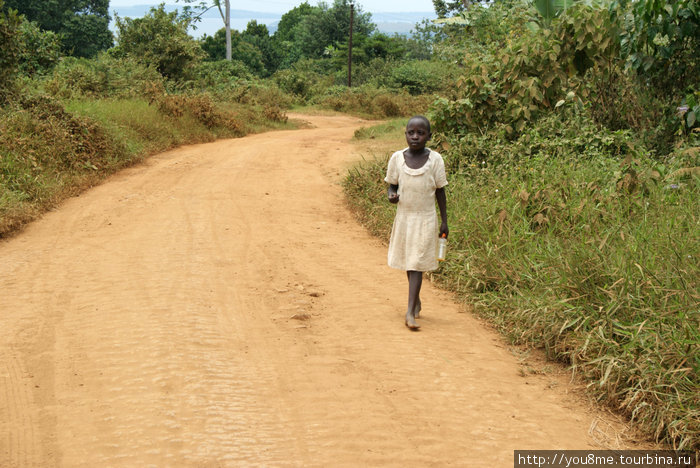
[417,134]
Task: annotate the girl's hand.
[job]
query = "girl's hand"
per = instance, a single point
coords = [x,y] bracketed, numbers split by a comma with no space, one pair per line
[444,230]
[393,193]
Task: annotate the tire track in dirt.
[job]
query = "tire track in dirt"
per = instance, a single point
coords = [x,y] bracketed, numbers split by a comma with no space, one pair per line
[20,443]
[219,306]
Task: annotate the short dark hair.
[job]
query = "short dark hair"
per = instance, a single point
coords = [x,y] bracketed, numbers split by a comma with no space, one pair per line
[422,118]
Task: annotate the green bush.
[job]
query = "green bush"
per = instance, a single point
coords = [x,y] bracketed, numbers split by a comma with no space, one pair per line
[256,93]
[160,39]
[11,40]
[41,50]
[372,102]
[375,73]
[297,82]
[660,41]
[63,150]
[568,131]
[305,78]
[220,75]
[420,76]
[104,76]
[202,108]
[514,81]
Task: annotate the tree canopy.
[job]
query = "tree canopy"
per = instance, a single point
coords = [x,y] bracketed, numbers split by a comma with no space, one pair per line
[304,32]
[159,38]
[290,20]
[241,50]
[329,26]
[444,8]
[83,25]
[11,47]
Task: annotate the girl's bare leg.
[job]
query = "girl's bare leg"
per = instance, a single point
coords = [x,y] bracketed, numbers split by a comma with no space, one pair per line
[418,307]
[415,281]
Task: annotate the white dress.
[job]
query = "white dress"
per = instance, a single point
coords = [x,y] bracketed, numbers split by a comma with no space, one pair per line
[414,235]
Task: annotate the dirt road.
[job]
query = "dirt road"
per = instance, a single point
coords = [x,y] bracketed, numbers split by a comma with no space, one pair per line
[219,306]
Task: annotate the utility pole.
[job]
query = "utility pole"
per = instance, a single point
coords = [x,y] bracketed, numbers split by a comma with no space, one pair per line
[352,14]
[227,23]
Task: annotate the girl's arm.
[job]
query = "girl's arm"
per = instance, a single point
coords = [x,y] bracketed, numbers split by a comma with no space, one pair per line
[442,204]
[393,193]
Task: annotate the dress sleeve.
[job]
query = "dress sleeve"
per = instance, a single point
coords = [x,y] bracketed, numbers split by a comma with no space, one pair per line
[392,171]
[440,176]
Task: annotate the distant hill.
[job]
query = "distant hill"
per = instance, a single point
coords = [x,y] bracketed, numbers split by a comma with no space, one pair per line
[388,23]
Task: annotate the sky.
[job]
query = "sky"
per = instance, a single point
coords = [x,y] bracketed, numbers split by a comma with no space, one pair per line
[283,6]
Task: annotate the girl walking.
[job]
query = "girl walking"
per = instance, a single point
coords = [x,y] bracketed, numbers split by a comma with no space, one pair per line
[416,178]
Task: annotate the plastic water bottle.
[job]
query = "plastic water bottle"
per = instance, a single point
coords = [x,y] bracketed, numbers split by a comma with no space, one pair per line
[442,248]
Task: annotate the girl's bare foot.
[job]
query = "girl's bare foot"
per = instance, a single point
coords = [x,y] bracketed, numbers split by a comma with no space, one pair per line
[417,309]
[411,322]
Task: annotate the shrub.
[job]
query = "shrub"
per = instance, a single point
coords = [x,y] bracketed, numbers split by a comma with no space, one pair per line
[660,41]
[274,113]
[420,76]
[79,141]
[160,38]
[296,82]
[221,75]
[47,154]
[532,72]
[201,107]
[105,76]
[11,40]
[387,106]
[41,50]
[204,110]
[257,93]
[372,102]
[375,73]
[305,78]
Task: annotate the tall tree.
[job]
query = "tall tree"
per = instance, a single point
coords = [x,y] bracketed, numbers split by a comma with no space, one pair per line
[160,38]
[259,36]
[290,20]
[329,26]
[287,29]
[11,41]
[224,7]
[444,8]
[82,24]
[243,50]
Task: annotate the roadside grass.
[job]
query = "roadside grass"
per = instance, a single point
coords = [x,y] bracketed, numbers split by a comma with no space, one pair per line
[389,130]
[142,128]
[593,259]
[372,103]
[363,186]
[51,150]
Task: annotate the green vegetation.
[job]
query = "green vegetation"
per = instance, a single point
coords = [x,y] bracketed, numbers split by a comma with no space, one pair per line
[51,149]
[574,196]
[82,26]
[159,38]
